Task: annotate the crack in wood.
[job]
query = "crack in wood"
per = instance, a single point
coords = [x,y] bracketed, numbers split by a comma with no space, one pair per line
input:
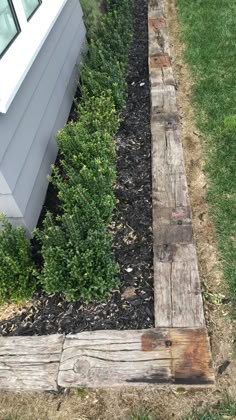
[106,359]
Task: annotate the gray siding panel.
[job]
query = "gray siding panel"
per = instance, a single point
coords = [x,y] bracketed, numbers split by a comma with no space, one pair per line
[45,130]
[39,189]
[39,109]
[35,113]
[10,121]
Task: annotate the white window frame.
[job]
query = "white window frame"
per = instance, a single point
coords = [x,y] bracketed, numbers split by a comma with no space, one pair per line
[17,60]
[17,26]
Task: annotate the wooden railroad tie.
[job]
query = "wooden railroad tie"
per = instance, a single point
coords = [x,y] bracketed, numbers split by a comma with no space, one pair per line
[177,356]
[177,287]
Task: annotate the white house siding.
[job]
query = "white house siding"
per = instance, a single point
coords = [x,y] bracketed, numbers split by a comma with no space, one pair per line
[40,108]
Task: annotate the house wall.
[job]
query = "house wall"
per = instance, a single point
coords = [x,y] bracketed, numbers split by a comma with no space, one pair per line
[40,108]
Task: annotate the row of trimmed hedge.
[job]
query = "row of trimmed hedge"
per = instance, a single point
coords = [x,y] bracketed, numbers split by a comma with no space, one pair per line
[76,244]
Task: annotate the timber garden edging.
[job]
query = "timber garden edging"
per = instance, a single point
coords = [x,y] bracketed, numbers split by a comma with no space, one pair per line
[177,350]
[177,356]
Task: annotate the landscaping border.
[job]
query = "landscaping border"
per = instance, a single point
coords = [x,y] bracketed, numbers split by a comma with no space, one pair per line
[177,351]
[177,287]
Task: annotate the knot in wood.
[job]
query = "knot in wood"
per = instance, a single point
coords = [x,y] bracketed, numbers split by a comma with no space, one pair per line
[82,366]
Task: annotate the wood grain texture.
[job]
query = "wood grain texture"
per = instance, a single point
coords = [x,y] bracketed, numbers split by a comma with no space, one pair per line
[107,358]
[161,76]
[162,294]
[187,305]
[163,99]
[156,77]
[166,216]
[110,358]
[168,76]
[177,289]
[191,356]
[157,356]
[156,9]
[30,363]
[174,234]
[158,40]
[177,263]
[167,151]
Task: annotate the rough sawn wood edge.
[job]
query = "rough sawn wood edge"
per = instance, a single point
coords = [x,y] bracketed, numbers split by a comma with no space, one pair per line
[177,287]
[160,356]
[30,363]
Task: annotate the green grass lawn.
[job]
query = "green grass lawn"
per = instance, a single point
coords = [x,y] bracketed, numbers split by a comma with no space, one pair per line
[209,33]
[225,409]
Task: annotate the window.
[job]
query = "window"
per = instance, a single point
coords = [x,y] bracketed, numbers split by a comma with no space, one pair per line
[9,27]
[14,15]
[30,6]
[16,61]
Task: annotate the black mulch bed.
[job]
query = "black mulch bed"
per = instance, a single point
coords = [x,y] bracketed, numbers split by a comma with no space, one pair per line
[131,305]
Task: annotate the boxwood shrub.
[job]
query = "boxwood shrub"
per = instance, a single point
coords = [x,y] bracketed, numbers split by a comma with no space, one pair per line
[76,244]
[17,270]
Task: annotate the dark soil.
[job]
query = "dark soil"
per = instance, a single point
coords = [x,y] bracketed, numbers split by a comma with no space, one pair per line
[131,305]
